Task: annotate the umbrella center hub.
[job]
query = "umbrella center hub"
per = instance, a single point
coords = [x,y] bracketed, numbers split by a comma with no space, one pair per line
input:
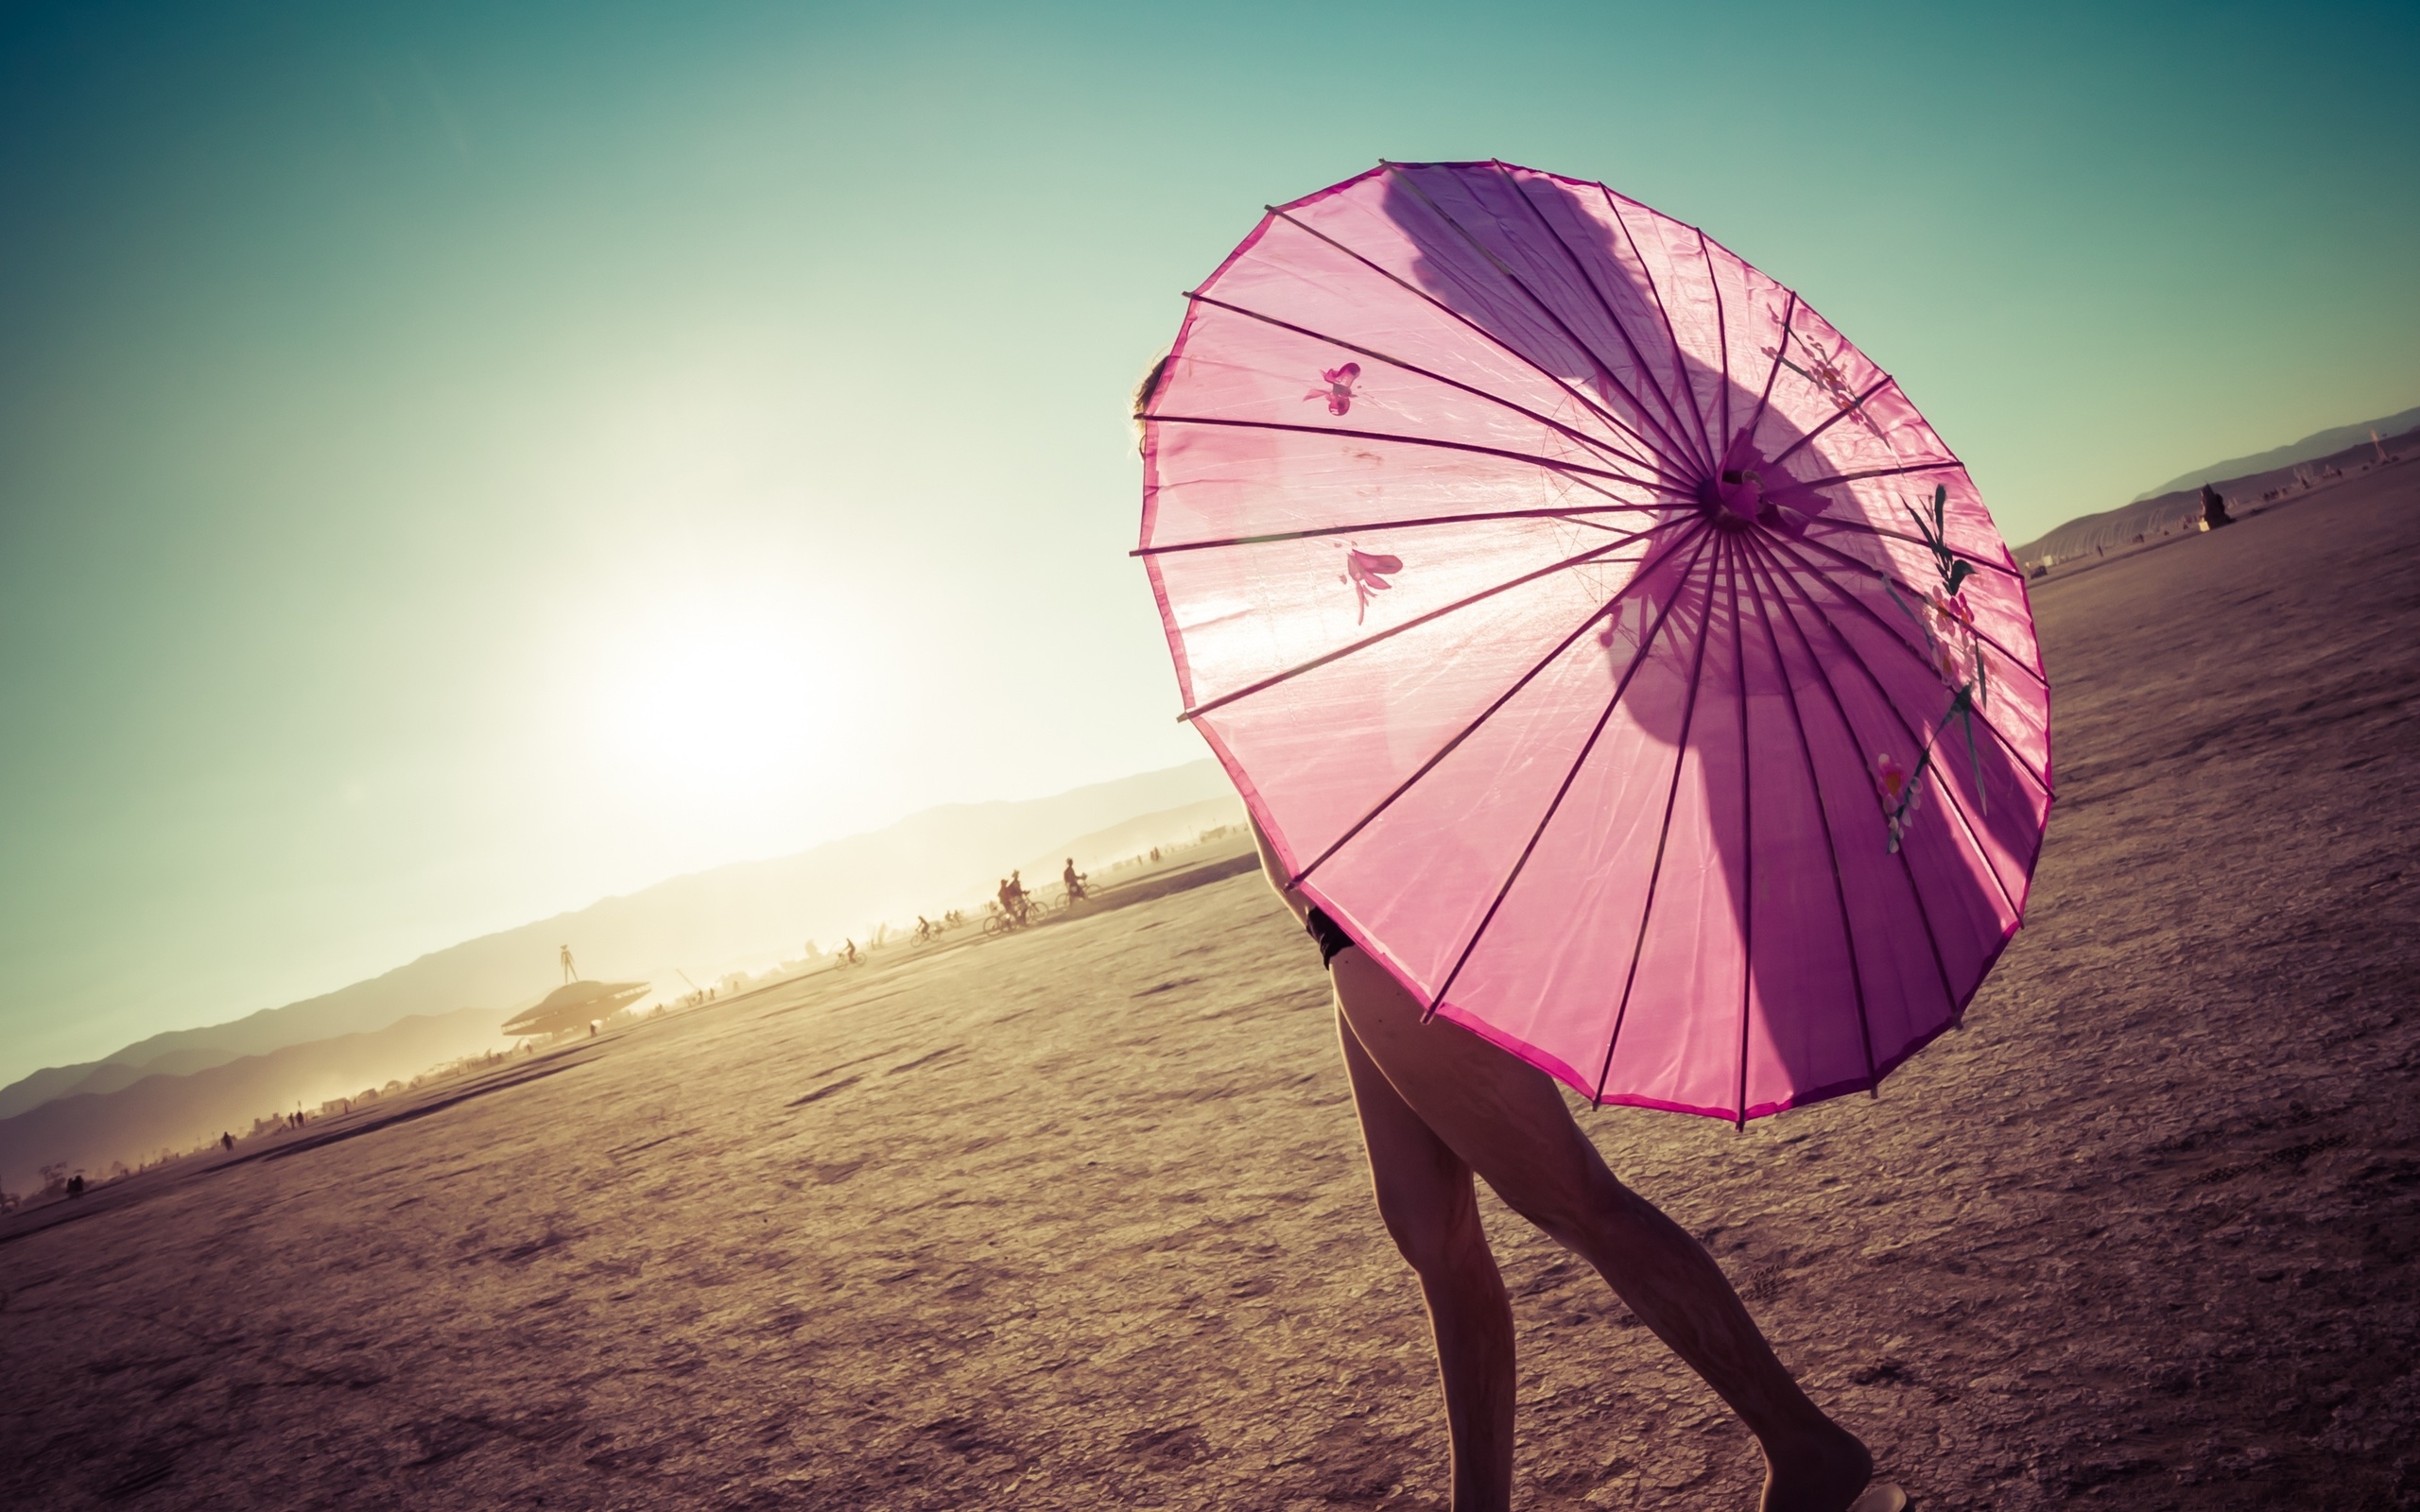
[1732,498]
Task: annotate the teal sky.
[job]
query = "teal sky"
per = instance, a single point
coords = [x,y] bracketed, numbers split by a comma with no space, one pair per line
[458,462]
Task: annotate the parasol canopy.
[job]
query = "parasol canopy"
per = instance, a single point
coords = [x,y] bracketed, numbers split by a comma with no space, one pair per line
[1602,640]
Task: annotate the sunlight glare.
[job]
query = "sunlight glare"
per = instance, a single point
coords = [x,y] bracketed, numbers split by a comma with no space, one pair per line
[701,707]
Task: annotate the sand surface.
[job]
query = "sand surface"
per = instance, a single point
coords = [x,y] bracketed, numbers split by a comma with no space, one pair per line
[1077,1219]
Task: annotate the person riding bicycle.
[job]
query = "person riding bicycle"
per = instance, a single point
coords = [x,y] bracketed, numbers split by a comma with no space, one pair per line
[1075,880]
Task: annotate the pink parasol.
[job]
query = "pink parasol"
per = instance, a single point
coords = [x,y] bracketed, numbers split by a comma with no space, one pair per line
[1602,640]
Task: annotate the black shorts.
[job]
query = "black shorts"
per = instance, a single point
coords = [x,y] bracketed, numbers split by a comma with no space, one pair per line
[1330,935]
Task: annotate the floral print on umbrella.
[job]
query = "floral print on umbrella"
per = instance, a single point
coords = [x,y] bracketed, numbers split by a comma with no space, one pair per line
[1900,793]
[1367,572]
[1954,651]
[1823,370]
[1339,392]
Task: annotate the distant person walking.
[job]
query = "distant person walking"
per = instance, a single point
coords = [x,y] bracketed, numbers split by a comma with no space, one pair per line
[571,973]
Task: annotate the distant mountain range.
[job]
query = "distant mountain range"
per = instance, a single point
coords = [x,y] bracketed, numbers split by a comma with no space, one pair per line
[2311,448]
[134,1122]
[2240,480]
[743,916]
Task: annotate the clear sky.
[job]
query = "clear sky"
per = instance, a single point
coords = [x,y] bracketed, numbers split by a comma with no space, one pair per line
[456,462]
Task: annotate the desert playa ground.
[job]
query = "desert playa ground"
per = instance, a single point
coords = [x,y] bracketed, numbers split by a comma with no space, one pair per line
[1077,1219]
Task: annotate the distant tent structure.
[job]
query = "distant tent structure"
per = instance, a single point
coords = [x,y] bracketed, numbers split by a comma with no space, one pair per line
[574,1004]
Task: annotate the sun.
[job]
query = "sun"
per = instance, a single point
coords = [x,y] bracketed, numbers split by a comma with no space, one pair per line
[711,707]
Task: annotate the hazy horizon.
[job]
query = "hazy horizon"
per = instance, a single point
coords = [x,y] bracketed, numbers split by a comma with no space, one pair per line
[457,467]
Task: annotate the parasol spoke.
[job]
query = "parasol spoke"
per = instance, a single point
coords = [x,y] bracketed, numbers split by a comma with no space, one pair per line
[1721,339]
[1638,358]
[1593,554]
[1406,524]
[1604,370]
[1747,837]
[1638,659]
[1950,793]
[1863,528]
[1489,712]
[1764,396]
[1823,815]
[1839,710]
[1948,464]
[1669,333]
[1896,581]
[1662,841]
[1593,443]
[1579,473]
[1899,639]
[1500,344]
[1844,412]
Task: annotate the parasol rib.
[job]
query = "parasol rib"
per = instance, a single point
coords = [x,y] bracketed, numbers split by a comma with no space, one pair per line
[1316,662]
[1680,371]
[1898,638]
[1823,814]
[1845,560]
[1593,443]
[1500,344]
[1789,310]
[1663,842]
[1839,710]
[1402,524]
[1721,339]
[1489,712]
[1864,527]
[1747,840]
[1604,370]
[1948,464]
[1621,327]
[1853,407]
[1580,471]
[1638,659]
[1922,742]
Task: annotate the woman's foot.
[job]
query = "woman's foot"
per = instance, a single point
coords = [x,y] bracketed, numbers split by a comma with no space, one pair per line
[1825,1473]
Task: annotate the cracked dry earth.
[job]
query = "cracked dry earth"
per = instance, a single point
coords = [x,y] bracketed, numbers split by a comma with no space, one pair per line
[1077,1219]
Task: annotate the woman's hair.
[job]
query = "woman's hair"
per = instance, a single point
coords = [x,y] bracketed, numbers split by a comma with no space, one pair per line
[1143,393]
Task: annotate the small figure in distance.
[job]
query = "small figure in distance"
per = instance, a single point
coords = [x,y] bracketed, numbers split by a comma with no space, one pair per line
[571,973]
[226,1141]
[2214,508]
[849,951]
[1075,880]
[1013,896]
[76,1185]
[924,928]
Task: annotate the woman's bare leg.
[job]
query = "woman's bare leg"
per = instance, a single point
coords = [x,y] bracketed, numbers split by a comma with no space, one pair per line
[1506,1121]
[1425,1199]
